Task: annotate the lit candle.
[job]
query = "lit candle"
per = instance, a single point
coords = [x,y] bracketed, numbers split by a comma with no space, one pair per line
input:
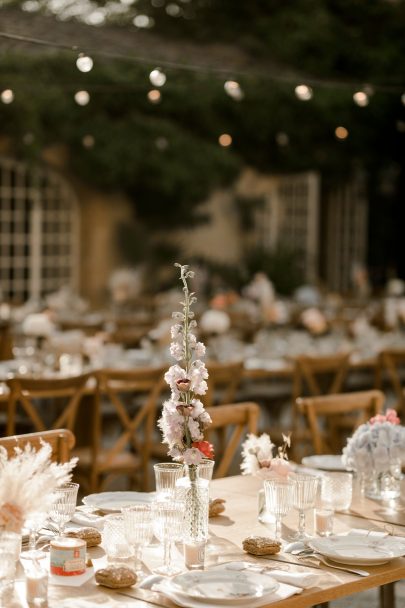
[37,587]
[324,522]
[194,555]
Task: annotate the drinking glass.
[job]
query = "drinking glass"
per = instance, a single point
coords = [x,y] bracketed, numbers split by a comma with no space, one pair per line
[305,488]
[10,544]
[138,530]
[337,490]
[34,523]
[115,540]
[205,469]
[279,499]
[64,505]
[166,476]
[168,521]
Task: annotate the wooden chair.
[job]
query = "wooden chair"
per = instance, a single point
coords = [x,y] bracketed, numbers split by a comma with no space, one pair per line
[391,363]
[61,441]
[354,407]
[43,399]
[224,380]
[236,420]
[319,375]
[6,342]
[129,452]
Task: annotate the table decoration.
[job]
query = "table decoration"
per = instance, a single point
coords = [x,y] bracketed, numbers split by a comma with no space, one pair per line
[184,419]
[375,452]
[28,482]
[337,491]
[258,460]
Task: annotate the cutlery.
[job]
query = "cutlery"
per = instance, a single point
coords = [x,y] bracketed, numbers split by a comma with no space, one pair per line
[324,560]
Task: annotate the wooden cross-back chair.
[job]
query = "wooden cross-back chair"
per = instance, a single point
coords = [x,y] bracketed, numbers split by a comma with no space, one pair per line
[44,398]
[311,372]
[129,452]
[355,407]
[224,380]
[391,362]
[61,441]
[236,420]
[6,342]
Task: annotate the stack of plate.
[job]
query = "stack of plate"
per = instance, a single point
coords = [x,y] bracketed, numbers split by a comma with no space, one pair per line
[220,588]
[112,502]
[359,550]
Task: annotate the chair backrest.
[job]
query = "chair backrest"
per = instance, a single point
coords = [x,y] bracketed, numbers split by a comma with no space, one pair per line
[6,342]
[392,361]
[40,397]
[136,427]
[310,371]
[61,441]
[359,406]
[224,380]
[236,419]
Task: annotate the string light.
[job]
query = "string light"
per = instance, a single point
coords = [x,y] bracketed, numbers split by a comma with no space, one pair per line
[303,92]
[154,96]
[225,140]
[403,98]
[88,141]
[143,21]
[157,77]
[232,88]
[341,133]
[7,96]
[161,143]
[84,63]
[361,99]
[173,10]
[282,139]
[82,98]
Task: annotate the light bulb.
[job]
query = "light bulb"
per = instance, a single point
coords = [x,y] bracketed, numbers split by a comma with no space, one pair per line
[157,77]
[82,98]
[303,92]
[84,63]
[7,96]
[341,133]
[361,99]
[225,140]
[232,88]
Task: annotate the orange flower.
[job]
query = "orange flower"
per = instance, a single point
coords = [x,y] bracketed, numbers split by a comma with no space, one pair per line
[205,447]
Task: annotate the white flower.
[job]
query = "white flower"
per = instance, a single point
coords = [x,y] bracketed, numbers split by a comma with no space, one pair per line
[176,331]
[194,428]
[192,456]
[176,351]
[200,349]
[255,450]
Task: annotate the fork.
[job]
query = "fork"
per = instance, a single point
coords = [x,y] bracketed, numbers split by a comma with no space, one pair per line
[324,560]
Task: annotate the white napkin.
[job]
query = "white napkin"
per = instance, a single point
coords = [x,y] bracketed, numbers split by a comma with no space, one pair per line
[304,580]
[88,520]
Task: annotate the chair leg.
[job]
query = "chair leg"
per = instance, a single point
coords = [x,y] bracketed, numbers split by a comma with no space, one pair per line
[387,596]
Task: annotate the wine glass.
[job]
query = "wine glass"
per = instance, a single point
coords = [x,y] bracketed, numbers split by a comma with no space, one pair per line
[64,505]
[168,520]
[138,530]
[279,499]
[166,476]
[34,523]
[305,488]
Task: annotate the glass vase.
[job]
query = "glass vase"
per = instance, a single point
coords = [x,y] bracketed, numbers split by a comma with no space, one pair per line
[383,484]
[196,509]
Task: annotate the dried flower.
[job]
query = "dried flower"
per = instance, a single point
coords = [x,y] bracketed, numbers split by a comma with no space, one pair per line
[184,418]
[257,456]
[28,480]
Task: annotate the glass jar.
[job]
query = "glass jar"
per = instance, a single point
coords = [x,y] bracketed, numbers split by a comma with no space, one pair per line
[383,484]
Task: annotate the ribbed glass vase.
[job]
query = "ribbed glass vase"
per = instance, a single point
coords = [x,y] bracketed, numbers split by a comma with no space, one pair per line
[196,506]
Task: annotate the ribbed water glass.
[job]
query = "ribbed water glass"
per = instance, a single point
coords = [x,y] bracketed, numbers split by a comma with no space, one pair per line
[10,544]
[305,489]
[168,527]
[166,476]
[138,528]
[64,505]
[279,499]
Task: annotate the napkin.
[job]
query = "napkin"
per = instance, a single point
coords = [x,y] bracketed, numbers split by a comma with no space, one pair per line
[304,580]
[88,520]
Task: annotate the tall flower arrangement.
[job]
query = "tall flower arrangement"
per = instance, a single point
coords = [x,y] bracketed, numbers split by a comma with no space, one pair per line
[184,418]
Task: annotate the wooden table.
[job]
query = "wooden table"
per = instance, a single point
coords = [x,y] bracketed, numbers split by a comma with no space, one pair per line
[226,535]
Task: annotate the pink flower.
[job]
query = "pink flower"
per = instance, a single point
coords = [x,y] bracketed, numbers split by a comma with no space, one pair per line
[392,416]
[280,467]
[183,385]
[192,456]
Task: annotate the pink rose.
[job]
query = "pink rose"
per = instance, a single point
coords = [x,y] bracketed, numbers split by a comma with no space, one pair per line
[392,416]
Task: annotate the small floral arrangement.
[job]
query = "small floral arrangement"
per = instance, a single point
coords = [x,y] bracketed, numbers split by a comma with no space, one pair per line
[184,418]
[28,480]
[258,459]
[375,444]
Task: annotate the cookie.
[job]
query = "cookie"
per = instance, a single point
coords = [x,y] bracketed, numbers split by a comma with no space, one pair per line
[91,535]
[115,577]
[217,506]
[261,545]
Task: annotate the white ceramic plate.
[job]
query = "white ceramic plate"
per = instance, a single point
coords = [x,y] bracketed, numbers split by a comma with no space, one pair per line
[111,502]
[223,587]
[359,550]
[324,462]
